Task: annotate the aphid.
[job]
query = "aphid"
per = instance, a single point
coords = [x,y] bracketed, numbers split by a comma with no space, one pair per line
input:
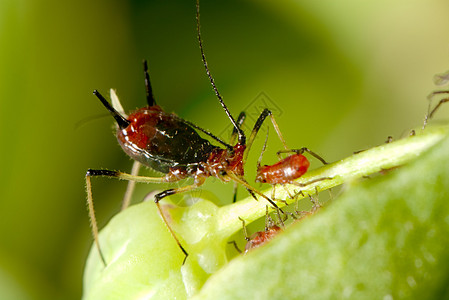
[261,237]
[287,169]
[272,229]
[171,145]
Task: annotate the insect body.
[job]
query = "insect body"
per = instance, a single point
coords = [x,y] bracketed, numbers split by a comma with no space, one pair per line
[171,145]
[287,169]
[168,144]
[284,171]
[261,237]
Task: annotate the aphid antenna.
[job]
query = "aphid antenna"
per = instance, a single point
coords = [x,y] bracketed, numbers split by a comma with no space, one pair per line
[241,134]
[121,121]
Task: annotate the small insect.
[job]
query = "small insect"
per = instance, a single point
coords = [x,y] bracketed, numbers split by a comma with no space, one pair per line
[287,169]
[261,237]
[171,145]
[272,229]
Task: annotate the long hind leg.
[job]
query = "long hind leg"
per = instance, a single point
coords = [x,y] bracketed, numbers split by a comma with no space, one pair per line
[158,197]
[124,176]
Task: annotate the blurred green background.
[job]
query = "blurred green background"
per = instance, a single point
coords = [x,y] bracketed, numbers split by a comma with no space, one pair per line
[343,75]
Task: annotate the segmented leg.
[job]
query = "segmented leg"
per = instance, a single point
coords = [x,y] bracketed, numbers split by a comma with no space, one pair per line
[118,175]
[430,113]
[158,197]
[240,120]
[301,151]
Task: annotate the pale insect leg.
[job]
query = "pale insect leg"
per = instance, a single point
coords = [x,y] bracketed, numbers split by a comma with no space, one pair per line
[90,202]
[430,113]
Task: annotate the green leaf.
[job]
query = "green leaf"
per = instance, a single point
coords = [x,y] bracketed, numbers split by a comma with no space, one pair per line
[385,238]
[142,259]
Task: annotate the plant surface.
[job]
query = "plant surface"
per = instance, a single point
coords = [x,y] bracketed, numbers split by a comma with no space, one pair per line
[386,237]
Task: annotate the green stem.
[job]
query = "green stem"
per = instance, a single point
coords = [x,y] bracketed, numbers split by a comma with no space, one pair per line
[383,157]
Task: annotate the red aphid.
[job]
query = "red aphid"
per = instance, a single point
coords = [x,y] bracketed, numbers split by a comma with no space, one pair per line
[261,237]
[284,171]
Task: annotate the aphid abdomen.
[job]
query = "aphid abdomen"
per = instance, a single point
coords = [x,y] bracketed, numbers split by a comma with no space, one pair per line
[260,238]
[284,171]
[162,141]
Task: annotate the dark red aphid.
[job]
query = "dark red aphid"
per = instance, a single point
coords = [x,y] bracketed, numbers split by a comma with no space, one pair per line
[284,171]
[262,237]
[288,169]
[171,145]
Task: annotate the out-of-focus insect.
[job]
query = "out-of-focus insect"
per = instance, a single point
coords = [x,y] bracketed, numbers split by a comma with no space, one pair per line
[271,227]
[261,237]
[171,145]
[430,111]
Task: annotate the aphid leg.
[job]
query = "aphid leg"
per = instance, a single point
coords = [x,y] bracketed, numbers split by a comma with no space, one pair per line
[263,150]
[234,195]
[158,197]
[389,139]
[316,205]
[131,186]
[310,182]
[430,113]
[301,151]
[266,112]
[273,191]
[235,246]
[92,219]
[278,210]
[90,202]
[288,193]
[245,233]
[241,118]
[268,220]
[252,190]
[278,131]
